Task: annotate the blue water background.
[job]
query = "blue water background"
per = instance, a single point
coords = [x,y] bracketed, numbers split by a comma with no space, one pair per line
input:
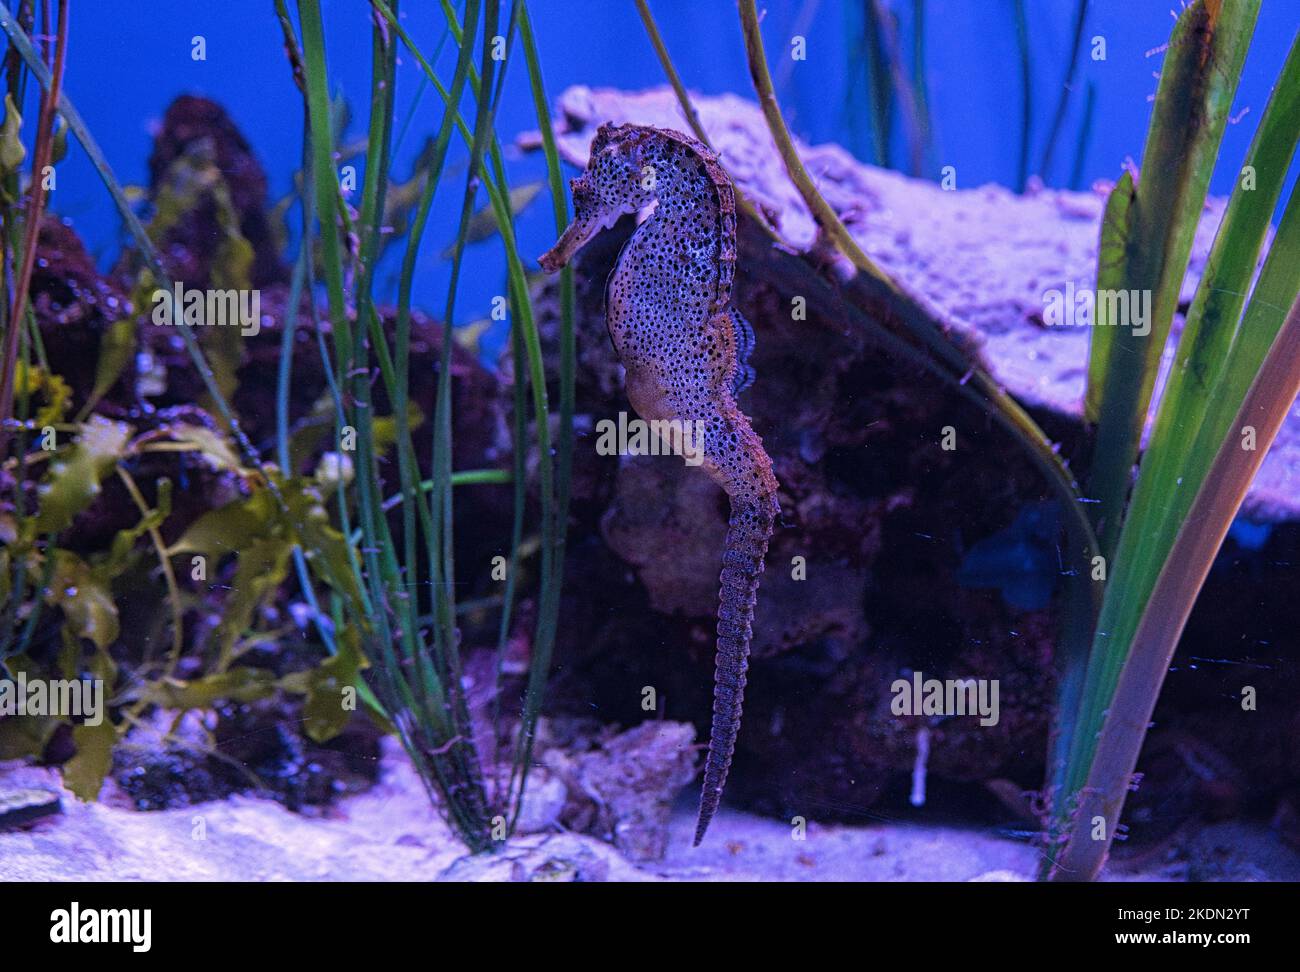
[130,58]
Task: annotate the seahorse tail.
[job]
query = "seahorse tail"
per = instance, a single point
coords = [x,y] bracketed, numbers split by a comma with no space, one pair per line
[748,532]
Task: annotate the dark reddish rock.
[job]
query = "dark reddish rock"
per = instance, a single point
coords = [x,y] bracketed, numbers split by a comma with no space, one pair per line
[253,748]
[74,305]
[194,124]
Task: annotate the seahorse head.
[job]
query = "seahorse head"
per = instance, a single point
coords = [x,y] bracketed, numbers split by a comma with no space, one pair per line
[619,179]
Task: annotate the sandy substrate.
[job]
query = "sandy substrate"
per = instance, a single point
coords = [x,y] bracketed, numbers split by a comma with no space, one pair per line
[390,834]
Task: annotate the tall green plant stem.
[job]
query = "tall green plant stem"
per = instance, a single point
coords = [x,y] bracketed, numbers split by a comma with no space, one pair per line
[1152,647]
[1193,100]
[1219,356]
[548,619]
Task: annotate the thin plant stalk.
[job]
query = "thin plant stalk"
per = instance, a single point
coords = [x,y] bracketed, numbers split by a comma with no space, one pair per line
[549,614]
[1067,86]
[907,98]
[1084,137]
[920,84]
[44,151]
[1026,93]
[880,91]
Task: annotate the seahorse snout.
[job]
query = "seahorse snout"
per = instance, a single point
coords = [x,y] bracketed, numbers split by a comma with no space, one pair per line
[585,225]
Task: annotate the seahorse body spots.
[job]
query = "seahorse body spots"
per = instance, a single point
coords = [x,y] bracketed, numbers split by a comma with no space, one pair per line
[685,350]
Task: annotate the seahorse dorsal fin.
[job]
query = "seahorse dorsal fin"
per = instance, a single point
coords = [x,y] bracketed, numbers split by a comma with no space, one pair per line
[744,332]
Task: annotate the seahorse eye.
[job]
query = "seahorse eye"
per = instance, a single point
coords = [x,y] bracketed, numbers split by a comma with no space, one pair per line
[584,194]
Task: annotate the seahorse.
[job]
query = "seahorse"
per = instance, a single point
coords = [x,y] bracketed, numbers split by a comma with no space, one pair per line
[686,351]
